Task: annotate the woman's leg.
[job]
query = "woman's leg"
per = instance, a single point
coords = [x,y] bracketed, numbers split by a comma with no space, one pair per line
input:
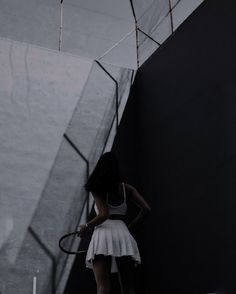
[127,273]
[102,268]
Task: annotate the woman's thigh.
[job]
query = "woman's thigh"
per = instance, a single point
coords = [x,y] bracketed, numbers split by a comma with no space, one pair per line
[126,268]
[102,268]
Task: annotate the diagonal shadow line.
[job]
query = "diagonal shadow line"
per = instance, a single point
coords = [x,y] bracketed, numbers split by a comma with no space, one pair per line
[86,162]
[171,17]
[106,140]
[159,44]
[50,255]
[117,91]
[71,245]
[113,120]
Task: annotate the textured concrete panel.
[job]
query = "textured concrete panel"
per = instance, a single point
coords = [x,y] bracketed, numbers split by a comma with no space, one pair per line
[145,8]
[63,197]
[148,22]
[163,30]
[39,90]
[31,21]
[118,9]
[123,77]
[58,212]
[95,109]
[183,9]
[89,33]
[97,31]
[146,47]
[124,54]
[60,206]
[159,33]
[174,2]
[93,117]
[20,278]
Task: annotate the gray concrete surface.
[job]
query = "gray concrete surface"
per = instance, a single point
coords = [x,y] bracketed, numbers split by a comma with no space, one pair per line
[183,9]
[31,21]
[93,29]
[91,33]
[61,198]
[39,91]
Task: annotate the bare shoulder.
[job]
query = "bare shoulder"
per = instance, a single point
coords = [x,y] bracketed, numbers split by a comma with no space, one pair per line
[137,197]
[130,187]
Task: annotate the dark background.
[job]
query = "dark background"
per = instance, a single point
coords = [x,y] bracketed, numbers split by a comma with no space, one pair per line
[176,143]
[182,115]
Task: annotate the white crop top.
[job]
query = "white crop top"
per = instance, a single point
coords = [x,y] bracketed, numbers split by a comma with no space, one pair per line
[115,209]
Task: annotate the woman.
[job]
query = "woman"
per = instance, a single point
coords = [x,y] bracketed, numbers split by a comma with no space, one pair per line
[112,244]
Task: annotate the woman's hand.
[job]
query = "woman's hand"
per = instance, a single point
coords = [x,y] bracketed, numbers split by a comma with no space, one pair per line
[84,230]
[130,227]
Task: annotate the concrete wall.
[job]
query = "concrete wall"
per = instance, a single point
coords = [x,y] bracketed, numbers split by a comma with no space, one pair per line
[31,21]
[39,91]
[93,28]
[42,195]
[104,29]
[184,112]
[45,93]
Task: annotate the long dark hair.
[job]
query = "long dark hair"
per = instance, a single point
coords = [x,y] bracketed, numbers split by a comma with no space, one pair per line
[105,176]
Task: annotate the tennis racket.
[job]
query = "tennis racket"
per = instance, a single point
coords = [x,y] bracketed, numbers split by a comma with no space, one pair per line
[66,242]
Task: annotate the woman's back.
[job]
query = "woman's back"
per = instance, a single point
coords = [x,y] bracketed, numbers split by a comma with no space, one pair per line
[116,201]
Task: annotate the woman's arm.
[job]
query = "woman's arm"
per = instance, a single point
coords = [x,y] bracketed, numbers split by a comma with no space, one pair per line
[141,202]
[97,220]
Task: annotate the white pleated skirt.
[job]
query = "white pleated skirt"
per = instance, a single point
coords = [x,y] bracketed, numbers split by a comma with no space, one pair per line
[112,238]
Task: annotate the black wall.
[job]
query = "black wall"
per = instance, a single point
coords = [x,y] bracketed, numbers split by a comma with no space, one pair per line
[177,141]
